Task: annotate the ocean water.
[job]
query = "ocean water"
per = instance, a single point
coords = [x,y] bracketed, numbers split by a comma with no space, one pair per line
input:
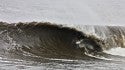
[65,35]
[99,63]
[46,46]
[63,65]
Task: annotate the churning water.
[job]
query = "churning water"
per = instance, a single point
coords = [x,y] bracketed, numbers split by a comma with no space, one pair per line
[47,46]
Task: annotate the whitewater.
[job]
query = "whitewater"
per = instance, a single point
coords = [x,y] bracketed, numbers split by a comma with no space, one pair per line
[62,35]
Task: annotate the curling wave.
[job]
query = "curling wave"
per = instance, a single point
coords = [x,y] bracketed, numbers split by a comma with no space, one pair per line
[43,39]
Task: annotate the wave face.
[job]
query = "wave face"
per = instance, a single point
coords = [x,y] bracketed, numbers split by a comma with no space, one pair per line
[43,39]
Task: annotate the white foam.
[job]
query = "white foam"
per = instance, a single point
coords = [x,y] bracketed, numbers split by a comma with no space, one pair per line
[98,57]
[116,51]
[60,59]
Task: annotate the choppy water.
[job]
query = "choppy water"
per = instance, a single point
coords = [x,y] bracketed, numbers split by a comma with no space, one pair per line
[94,64]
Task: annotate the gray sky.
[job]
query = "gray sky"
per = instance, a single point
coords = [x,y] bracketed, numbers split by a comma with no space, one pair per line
[86,12]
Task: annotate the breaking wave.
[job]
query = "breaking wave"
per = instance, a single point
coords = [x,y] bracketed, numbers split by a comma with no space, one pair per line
[46,40]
